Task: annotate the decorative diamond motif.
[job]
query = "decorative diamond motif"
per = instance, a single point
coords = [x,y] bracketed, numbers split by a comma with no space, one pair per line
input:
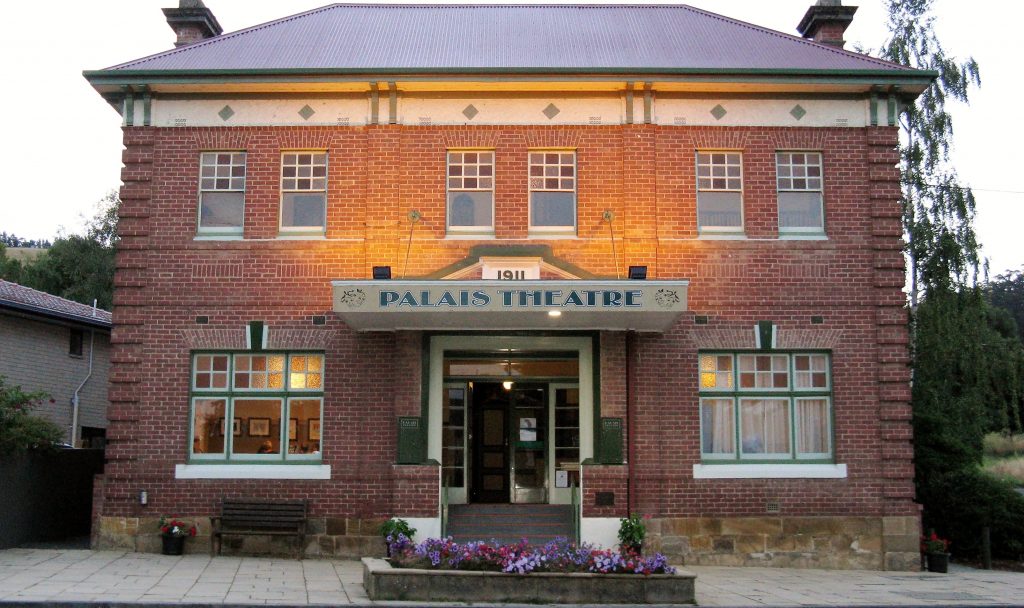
[226,112]
[470,111]
[718,112]
[306,112]
[798,112]
[551,111]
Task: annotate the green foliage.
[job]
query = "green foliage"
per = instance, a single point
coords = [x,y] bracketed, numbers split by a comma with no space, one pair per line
[632,531]
[1007,292]
[395,526]
[1003,445]
[959,503]
[19,429]
[938,212]
[76,267]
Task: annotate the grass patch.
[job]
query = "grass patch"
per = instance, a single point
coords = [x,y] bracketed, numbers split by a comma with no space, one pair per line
[1010,469]
[1000,445]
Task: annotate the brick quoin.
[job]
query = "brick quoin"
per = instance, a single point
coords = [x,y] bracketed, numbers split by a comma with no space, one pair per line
[644,174]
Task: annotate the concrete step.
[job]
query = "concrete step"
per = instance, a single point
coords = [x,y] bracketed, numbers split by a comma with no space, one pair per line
[506,523]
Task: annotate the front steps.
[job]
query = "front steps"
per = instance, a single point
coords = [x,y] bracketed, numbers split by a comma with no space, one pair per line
[507,524]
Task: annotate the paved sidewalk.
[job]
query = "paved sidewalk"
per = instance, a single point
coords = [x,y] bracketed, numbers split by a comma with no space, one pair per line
[70,576]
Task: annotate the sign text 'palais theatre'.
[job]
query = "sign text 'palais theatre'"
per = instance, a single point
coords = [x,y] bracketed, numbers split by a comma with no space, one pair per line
[513,298]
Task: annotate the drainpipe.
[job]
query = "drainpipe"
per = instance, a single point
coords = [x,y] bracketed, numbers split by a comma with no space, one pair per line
[75,399]
[630,424]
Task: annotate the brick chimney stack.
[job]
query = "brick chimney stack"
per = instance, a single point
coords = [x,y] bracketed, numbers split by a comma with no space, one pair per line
[826,21]
[192,22]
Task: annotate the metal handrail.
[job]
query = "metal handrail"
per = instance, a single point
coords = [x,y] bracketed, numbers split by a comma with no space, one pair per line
[444,511]
[575,510]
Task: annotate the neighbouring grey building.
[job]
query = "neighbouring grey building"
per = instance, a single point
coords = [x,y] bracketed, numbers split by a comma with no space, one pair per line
[62,348]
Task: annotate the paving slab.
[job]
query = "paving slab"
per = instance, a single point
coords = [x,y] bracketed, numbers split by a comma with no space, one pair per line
[86,579]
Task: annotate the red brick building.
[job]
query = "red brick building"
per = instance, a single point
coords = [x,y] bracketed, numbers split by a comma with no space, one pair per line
[416,261]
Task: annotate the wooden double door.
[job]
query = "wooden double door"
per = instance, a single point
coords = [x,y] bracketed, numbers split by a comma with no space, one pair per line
[508,443]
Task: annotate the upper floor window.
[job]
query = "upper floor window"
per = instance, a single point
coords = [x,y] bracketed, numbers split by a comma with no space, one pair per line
[799,178]
[256,406]
[719,192]
[553,191]
[765,407]
[221,192]
[303,192]
[471,192]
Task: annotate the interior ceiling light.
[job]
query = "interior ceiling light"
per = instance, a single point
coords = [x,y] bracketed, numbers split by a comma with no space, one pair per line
[554,313]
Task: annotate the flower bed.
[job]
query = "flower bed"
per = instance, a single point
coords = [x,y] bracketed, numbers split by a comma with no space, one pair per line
[559,555]
[557,573]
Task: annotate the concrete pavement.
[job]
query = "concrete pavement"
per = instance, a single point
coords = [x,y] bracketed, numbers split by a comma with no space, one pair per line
[70,577]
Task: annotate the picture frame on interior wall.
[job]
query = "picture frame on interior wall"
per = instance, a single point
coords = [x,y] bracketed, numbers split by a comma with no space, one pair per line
[314,429]
[236,427]
[259,427]
[293,429]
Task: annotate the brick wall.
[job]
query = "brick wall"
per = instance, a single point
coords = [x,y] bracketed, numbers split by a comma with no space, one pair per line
[34,354]
[643,173]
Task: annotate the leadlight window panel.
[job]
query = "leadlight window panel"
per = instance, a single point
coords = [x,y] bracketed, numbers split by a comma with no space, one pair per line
[799,178]
[716,372]
[453,433]
[811,372]
[552,181]
[720,191]
[303,431]
[813,427]
[763,372]
[303,191]
[470,190]
[765,428]
[306,372]
[221,192]
[259,372]
[210,372]
[718,428]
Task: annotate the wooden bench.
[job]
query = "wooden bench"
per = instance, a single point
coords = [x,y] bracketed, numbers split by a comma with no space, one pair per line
[251,517]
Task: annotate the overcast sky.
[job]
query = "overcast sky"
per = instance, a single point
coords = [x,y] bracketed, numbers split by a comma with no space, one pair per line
[63,142]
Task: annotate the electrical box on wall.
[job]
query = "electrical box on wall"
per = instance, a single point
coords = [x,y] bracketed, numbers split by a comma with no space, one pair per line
[410,440]
[611,441]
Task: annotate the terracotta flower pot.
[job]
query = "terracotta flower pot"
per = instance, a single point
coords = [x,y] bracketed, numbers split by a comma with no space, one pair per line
[173,545]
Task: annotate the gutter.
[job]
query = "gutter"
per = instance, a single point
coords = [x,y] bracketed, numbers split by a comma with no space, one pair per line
[46,312]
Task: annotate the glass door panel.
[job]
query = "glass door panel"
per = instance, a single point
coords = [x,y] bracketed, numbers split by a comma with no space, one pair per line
[530,437]
[453,447]
[565,437]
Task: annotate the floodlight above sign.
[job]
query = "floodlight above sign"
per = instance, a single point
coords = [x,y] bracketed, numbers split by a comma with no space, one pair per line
[505,305]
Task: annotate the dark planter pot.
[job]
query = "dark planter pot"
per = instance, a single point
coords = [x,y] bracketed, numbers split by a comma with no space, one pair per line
[938,562]
[173,545]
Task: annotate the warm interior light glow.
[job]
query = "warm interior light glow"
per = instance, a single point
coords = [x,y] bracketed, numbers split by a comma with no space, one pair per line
[554,313]
[507,385]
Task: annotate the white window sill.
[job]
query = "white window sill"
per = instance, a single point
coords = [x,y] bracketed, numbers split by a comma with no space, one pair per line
[769,471]
[803,237]
[721,236]
[469,236]
[301,237]
[252,471]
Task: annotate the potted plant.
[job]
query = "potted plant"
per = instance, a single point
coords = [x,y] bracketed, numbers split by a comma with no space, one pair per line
[937,551]
[392,528]
[173,532]
[631,534]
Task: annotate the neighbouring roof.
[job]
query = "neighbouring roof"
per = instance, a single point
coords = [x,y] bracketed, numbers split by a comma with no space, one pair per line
[26,299]
[508,38]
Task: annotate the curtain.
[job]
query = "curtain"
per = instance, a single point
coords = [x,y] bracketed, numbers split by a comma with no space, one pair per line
[812,422]
[764,426]
[717,425]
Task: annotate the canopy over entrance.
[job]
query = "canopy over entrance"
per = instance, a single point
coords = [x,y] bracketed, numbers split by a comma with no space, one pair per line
[385,305]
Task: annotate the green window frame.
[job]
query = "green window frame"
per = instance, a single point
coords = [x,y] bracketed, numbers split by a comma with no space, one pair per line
[752,410]
[241,399]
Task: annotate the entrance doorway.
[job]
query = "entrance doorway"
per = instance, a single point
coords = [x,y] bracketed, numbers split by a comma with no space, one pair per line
[508,446]
[512,417]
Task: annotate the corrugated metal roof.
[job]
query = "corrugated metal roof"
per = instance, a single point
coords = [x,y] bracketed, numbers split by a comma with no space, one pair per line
[27,299]
[357,37]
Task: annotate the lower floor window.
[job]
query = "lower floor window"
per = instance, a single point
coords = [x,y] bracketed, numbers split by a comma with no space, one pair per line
[259,428]
[789,418]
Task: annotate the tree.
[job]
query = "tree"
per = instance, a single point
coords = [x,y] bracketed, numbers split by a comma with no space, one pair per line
[76,267]
[938,211]
[1007,292]
[19,429]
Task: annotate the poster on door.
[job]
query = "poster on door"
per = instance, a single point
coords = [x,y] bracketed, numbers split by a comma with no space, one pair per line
[527,429]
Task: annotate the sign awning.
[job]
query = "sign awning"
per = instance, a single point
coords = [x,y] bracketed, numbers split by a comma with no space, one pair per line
[509,305]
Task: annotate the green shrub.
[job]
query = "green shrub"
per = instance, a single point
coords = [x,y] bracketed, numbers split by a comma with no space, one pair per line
[395,526]
[632,531]
[960,503]
[19,429]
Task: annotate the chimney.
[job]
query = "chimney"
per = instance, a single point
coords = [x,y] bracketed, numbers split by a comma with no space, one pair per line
[192,22]
[826,21]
